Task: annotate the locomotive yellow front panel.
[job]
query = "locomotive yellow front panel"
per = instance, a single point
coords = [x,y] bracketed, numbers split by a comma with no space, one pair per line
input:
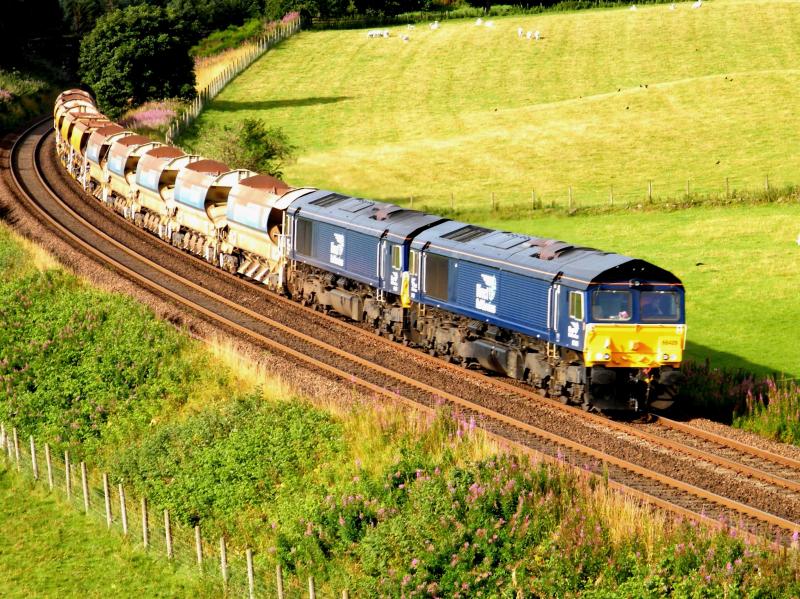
[634,345]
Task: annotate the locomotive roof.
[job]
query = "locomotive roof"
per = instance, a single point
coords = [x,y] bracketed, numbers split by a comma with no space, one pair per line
[536,256]
[366,216]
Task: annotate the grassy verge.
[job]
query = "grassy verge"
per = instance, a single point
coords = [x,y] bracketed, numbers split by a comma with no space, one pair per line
[23,97]
[50,550]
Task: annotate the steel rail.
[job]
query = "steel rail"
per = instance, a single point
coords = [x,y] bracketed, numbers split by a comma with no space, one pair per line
[728,442]
[490,414]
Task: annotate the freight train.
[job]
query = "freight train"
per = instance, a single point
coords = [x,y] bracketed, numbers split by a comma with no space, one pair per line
[589,328]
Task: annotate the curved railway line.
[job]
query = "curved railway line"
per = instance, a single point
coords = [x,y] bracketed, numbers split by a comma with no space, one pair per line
[671,465]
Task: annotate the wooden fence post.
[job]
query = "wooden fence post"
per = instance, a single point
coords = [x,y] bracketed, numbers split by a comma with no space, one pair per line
[145,532]
[168,534]
[311,593]
[16,449]
[766,183]
[198,545]
[107,498]
[34,463]
[727,188]
[223,562]
[3,435]
[251,583]
[49,463]
[279,580]
[650,191]
[67,475]
[345,594]
[85,487]
[123,510]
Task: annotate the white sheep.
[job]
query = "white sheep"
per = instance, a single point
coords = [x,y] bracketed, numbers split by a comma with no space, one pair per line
[672,6]
[519,32]
[489,23]
[536,35]
[697,4]
[405,38]
[529,35]
[633,7]
[478,22]
[435,25]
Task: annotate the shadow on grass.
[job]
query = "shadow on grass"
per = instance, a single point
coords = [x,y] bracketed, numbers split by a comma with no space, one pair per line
[232,106]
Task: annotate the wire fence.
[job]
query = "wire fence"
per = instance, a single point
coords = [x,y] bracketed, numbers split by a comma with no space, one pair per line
[252,52]
[231,568]
[651,192]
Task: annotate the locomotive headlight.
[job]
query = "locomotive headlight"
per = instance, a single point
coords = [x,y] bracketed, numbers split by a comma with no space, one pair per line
[606,356]
[665,357]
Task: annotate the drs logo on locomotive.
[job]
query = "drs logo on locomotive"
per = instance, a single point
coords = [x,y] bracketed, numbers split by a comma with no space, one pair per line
[337,249]
[485,294]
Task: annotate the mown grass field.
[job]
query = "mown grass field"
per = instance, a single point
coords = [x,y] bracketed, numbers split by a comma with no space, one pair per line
[608,98]
[49,549]
[471,110]
[740,266]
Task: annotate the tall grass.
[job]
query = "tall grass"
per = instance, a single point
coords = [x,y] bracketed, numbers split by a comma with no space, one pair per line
[772,410]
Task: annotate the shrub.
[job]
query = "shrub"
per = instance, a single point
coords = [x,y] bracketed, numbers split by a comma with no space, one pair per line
[254,146]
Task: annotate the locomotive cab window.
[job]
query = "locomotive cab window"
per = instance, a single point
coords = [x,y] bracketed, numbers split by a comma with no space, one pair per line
[413,262]
[397,257]
[612,305]
[576,305]
[659,306]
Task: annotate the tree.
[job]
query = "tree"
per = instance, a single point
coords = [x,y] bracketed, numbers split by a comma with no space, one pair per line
[254,146]
[134,55]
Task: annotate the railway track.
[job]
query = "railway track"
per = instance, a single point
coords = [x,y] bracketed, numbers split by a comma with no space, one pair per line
[661,463]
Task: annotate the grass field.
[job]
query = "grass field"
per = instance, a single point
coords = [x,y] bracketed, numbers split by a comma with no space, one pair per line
[740,266]
[608,98]
[471,110]
[49,549]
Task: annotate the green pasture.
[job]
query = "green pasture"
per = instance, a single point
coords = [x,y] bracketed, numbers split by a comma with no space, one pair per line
[740,266]
[49,549]
[607,99]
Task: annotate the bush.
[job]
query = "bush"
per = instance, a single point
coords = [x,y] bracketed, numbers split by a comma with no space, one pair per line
[254,146]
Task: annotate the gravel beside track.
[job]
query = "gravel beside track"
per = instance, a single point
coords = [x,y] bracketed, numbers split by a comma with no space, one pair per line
[418,377]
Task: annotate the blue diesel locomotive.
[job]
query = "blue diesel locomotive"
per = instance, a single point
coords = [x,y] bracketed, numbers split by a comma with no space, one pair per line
[590,328]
